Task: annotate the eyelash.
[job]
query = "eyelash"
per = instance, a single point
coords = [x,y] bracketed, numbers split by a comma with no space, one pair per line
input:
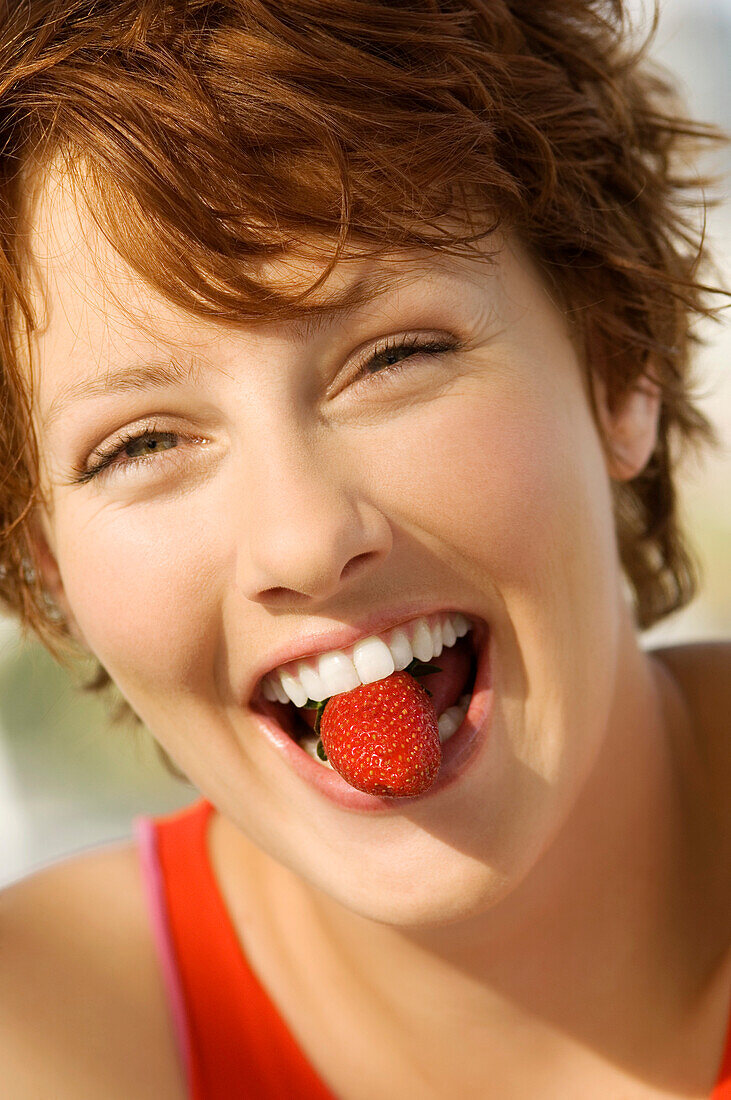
[410,343]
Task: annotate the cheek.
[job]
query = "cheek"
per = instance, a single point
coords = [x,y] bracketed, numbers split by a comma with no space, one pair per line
[138,586]
[516,502]
[514,483]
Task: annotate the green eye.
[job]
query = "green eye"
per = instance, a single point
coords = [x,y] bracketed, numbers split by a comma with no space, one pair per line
[389,356]
[394,355]
[131,450]
[148,440]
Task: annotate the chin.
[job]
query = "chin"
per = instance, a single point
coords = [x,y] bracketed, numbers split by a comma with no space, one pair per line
[443,892]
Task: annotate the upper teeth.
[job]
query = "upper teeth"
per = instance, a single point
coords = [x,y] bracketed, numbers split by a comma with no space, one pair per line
[369,659]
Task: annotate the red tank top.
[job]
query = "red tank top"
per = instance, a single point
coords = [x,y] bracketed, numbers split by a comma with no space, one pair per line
[231,1039]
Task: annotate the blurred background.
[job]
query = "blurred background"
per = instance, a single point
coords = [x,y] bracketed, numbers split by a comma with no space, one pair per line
[70,779]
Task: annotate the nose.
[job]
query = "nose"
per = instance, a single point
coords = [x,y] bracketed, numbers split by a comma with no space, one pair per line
[309,528]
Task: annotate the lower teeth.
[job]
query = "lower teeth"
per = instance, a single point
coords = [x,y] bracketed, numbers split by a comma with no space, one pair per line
[309,744]
[452,718]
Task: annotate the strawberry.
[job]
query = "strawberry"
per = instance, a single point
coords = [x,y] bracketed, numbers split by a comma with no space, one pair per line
[383,737]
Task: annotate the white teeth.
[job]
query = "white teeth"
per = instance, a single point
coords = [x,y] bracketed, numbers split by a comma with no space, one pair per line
[311,682]
[267,690]
[448,635]
[421,641]
[461,625]
[450,721]
[372,659]
[447,723]
[369,660]
[279,691]
[337,673]
[401,651]
[293,688]
[309,744]
[452,718]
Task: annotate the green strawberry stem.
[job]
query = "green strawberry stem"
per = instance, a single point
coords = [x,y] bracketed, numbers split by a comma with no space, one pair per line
[414,668]
[421,668]
[319,708]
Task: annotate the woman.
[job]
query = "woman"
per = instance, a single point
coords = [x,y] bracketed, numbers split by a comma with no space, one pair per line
[329,326]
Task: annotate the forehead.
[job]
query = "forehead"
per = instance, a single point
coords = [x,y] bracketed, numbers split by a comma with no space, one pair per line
[83,289]
[94,311]
[88,304]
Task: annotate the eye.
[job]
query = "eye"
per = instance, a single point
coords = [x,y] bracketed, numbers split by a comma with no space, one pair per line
[140,446]
[391,355]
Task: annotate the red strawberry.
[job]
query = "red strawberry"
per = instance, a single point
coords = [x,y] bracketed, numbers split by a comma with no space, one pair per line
[383,738]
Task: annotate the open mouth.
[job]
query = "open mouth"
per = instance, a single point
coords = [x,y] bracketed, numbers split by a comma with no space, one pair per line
[451,689]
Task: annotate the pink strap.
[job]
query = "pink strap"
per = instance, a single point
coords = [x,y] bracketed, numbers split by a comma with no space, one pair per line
[144,831]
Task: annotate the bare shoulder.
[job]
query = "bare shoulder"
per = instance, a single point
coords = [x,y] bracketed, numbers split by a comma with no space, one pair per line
[82,1006]
[699,659]
[702,671]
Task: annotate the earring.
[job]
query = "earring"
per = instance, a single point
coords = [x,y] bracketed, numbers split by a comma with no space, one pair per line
[54,612]
[27,571]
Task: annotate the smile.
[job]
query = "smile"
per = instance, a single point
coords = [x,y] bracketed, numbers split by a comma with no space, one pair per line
[461,690]
[370,659]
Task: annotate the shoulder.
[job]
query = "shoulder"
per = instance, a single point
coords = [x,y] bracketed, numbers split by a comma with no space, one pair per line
[82,1006]
[702,671]
[704,659]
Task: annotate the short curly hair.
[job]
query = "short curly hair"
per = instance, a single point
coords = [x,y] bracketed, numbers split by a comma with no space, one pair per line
[214,134]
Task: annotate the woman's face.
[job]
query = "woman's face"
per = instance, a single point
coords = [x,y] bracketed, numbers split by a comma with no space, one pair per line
[294,489]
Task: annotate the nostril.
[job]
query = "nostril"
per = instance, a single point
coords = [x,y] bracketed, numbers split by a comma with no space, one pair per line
[276,593]
[355,563]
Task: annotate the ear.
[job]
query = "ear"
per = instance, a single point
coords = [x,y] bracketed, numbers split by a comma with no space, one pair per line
[630,430]
[45,563]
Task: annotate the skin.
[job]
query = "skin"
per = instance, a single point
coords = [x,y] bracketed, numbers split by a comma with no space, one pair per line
[477,479]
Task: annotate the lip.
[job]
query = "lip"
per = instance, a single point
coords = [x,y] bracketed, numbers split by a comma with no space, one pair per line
[339,636]
[457,752]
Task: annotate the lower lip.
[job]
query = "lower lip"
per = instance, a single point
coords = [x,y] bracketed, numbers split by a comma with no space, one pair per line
[457,752]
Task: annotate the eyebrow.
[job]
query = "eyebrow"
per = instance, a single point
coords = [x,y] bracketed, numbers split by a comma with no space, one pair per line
[161,375]
[370,286]
[141,376]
